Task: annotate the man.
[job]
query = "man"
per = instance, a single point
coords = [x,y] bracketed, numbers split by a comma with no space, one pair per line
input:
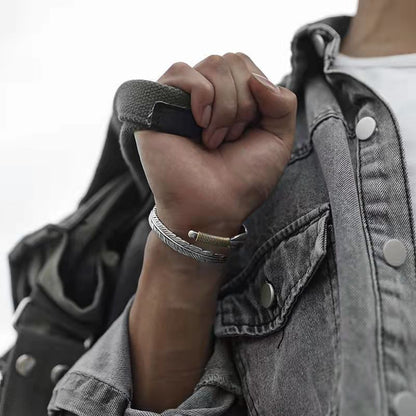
[314,314]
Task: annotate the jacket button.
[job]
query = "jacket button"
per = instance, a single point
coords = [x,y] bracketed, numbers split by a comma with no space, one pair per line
[57,372]
[319,43]
[394,252]
[110,258]
[267,295]
[88,342]
[25,364]
[365,128]
[405,404]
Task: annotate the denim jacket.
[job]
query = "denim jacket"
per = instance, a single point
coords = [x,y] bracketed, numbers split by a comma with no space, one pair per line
[318,316]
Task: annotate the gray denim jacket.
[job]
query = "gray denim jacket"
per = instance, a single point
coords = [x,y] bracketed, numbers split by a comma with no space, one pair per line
[319,316]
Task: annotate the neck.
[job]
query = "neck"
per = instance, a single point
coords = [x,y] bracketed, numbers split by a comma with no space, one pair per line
[381,28]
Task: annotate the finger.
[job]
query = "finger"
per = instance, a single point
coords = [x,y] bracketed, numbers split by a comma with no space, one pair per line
[251,66]
[277,107]
[217,71]
[182,76]
[246,104]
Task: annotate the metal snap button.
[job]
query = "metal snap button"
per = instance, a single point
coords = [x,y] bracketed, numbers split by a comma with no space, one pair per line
[394,252]
[365,128]
[267,294]
[88,342]
[405,404]
[58,372]
[25,364]
[110,258]
[319,43]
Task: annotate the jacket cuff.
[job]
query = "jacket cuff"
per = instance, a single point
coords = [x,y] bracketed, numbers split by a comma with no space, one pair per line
[100,382]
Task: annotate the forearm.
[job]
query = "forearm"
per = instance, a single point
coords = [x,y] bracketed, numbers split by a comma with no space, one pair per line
[170,325]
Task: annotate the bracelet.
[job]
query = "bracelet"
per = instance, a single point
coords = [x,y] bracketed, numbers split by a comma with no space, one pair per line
[215,240]
[190,250]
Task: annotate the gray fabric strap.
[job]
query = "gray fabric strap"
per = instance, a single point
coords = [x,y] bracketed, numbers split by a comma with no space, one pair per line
[153,106]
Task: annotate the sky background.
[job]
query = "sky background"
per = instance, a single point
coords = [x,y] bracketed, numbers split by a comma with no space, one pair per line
[60,65]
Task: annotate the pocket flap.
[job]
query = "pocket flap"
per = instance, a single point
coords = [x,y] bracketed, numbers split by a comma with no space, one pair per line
[258,300]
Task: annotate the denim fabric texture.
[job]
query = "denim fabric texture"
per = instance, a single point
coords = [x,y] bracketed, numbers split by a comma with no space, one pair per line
[339,337]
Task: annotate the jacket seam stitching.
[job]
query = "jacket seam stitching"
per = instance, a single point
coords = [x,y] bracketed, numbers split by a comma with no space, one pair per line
[335,305]
[374,278]
[91,377]
[79,396]
[325,116]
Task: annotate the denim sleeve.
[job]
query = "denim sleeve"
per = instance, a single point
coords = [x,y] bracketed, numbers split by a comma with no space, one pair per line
[100,382]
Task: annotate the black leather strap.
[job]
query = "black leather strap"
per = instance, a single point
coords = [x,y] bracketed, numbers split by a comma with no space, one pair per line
[174,120]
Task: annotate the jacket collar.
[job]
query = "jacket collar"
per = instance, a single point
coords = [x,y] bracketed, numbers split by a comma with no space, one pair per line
[314,48]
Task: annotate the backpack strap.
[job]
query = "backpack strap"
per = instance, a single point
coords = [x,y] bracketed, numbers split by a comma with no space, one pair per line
[63,281]
[48,344]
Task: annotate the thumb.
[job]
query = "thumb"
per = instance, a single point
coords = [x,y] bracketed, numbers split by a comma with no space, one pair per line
[277,106]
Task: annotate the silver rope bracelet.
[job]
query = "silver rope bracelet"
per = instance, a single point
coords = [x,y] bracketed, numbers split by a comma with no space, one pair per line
[190,250]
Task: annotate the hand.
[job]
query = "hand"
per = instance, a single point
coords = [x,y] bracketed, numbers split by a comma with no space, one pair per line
[247,140]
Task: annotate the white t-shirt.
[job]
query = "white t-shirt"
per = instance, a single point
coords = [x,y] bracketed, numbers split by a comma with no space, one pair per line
[394,79]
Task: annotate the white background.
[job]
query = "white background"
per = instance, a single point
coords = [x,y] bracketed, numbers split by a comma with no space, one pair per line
[61,62]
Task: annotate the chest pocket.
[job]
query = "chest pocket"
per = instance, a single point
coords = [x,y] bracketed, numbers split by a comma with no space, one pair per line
[258,300]
[280,314]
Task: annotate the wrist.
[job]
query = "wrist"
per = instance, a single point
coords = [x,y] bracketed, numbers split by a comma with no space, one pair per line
[177,279]
[158,255]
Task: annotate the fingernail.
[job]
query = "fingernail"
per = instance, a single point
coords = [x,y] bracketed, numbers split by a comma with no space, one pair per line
[217,137]
[206,116]
[266,82]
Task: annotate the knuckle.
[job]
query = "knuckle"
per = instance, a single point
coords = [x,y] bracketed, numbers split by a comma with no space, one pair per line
[178,67]
[292,99]
[215,59]
[206,89]
[230,56]
[243,56]
[228,112]
[247,110]
[217,62]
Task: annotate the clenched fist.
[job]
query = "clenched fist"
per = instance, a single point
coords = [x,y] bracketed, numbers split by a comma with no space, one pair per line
[248,133]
